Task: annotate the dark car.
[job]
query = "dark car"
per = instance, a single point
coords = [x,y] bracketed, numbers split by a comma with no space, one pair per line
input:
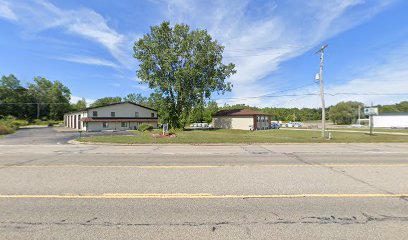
[275,125]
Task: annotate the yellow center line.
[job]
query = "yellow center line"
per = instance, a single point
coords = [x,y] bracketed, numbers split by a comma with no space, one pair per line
[203,196]
[201,166]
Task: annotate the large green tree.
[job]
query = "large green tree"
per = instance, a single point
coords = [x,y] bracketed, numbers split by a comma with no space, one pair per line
[52,97]
[79,105]
[105,101]
[345,112]
[184,67]
[137,98]
[15,100]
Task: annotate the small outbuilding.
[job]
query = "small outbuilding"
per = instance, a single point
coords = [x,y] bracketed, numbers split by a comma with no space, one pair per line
[245,119]
[391,120]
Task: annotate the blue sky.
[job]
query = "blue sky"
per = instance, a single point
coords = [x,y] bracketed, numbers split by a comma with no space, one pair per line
[87,45]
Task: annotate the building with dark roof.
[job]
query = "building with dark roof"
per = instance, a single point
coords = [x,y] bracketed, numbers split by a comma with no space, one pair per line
[245,119]
[115,116]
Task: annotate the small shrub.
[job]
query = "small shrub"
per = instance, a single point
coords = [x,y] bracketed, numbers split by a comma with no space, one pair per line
[19,123]
[4,129]
[145,127]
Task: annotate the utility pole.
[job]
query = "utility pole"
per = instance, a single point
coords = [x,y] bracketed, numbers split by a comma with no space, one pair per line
[359,111]
[321,51]
[371,122]
[38,110]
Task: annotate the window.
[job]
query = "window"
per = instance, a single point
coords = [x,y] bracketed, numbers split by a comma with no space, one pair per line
[95,113]
[136,114]
[124,124]
[112,114]
[105,124]
[152,115]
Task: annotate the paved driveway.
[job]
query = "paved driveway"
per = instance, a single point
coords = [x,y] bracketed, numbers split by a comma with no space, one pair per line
[48,135]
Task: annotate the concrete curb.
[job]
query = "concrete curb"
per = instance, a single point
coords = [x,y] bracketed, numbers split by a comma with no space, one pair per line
[76,142]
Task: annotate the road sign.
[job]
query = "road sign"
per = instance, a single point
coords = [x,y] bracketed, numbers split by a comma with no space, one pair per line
[371,111]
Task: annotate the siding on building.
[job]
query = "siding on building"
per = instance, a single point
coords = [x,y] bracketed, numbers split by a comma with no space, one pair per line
[245,119]
[237,122]
[390,121]
[131,114]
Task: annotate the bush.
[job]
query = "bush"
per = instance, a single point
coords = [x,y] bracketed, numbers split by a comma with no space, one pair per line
[145,127]
[10,124]
[4,129]
[19,123]
[45,122]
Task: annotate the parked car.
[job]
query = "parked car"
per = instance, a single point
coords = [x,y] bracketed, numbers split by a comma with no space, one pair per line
[275,125]
[357,126]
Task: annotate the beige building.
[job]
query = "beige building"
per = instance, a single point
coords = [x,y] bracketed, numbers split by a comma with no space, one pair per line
[245,119]
[116,116]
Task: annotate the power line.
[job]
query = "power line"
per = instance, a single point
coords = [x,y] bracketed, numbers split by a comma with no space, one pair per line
[269,96]
[314,94]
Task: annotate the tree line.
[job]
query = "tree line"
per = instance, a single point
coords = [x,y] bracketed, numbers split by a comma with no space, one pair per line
[41,99]
[50,100]
[183,67]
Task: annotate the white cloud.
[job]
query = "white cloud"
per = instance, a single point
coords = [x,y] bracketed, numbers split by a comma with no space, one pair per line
[75,99]
[259,40]
[41,15]
[89,60]
[380,83]
[6,12]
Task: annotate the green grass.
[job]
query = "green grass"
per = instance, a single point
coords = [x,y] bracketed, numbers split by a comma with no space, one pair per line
[367,130]
[40,122]
[247,137]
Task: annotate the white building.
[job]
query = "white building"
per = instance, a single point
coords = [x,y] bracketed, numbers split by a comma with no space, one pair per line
[245,119]
[116,116]
[391,120]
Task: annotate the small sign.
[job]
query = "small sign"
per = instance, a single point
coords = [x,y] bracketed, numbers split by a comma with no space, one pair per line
[371,111]
[165,128]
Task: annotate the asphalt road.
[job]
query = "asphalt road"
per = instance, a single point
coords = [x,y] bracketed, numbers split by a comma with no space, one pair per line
[294,191]
[50,136]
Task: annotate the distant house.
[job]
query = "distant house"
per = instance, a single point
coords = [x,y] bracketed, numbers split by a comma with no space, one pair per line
[391,120]
[245,119]
[116,116]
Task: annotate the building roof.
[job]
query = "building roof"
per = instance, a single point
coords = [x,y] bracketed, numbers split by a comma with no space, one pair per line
[119,119]
[111,104]
[238,112]
[394,114]
[122,103]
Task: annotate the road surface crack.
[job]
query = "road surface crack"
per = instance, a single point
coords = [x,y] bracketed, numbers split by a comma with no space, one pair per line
[343,220]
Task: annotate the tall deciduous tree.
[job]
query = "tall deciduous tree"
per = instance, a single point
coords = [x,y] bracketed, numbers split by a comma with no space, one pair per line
[184,67]
[136,98]
[14,99]
[79,105]
[52,97]
[106,100]
[345,112]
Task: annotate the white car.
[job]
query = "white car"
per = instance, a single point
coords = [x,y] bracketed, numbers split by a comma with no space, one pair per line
[357,126]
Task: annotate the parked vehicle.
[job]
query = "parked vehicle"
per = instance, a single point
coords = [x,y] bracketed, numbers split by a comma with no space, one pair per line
[275,125]
[199,125]
[357,126]
[294,124]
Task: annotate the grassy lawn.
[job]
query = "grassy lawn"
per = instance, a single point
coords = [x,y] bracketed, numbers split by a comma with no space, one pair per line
[241,136]
[374,130]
